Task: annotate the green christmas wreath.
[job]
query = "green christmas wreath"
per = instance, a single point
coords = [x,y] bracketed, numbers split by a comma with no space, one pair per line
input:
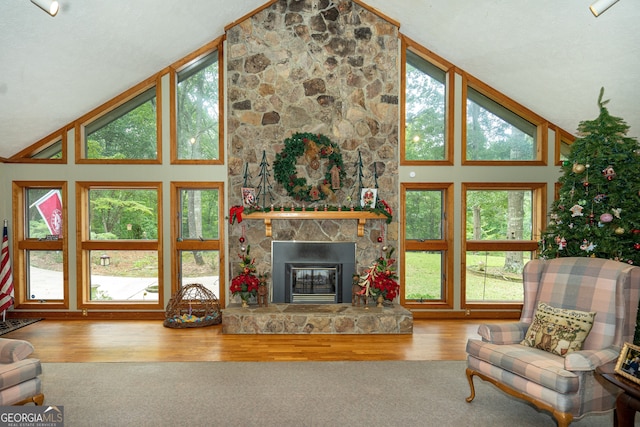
[314,148]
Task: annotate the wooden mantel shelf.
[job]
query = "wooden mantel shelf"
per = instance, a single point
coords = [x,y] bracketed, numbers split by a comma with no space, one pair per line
[360,216]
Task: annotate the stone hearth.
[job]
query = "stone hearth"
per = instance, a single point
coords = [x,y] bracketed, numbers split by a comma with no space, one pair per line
[316,319]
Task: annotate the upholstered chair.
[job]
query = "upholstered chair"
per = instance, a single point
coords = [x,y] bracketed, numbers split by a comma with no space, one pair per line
[19,374]
[552,377]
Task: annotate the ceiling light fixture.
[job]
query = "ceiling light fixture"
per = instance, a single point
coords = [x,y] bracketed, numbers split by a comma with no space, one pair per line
[599,6]
[49,6]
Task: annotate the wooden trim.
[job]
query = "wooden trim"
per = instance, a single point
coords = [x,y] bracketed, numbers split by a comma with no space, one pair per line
[539,209]
[542,125]
[123,98]
[561,136]
[464,314]
[91,314]
[377,13]
[444,245]
[21,244]
[501,245]
[84,245]
[432,58]
[268,217]
[427,54]
[25,156]
[250,14]
[206,245]
[195,56]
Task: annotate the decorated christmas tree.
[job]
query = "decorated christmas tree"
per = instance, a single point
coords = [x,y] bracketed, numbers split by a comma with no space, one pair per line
[597,212]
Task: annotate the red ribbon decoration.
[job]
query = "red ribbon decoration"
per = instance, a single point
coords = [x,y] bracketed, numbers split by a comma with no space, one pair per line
[236,213]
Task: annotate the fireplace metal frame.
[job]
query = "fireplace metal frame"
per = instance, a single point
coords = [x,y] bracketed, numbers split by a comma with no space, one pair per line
[309,253]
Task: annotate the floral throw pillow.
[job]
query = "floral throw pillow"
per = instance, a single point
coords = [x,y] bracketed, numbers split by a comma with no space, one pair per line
[558,330]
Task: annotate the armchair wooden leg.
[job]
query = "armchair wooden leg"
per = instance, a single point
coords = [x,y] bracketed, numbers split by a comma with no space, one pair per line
[563,418]
[470,373]
[38,399]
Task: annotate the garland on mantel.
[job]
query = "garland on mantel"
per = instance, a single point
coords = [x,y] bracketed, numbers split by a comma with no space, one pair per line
[314,147]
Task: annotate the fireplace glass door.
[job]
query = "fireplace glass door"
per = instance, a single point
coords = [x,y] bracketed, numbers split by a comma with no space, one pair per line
[314,284]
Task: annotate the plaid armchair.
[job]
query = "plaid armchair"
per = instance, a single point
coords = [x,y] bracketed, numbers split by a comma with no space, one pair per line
[565,386]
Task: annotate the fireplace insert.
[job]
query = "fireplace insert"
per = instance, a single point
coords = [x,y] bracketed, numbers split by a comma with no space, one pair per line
[312,272]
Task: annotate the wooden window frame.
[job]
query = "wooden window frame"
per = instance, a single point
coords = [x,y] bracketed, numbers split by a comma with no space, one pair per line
[122,99]
[174,69]
[542,126]
[539,209]
[561,137]
[444,245]
[22,244]
[448,68]
[178,245]
[26,155]
[85,245]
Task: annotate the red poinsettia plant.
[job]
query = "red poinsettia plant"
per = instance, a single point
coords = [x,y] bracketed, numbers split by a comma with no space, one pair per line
[246,283]
[382,278]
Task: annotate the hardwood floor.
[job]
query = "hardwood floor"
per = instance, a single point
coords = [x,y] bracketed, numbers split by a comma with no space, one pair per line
[149,341]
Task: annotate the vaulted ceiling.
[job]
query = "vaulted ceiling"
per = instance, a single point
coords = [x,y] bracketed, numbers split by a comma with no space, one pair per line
[551,56]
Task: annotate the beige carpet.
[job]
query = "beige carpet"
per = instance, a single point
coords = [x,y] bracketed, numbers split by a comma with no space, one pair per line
[353,394]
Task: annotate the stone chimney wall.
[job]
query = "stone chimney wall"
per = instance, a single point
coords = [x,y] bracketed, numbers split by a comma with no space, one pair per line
[320,66]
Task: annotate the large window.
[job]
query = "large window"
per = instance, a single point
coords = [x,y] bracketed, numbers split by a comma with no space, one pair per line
[427,265]
[126,133]
[498,131]
[198,110]
[502,225]
[197,235]
[120,246]
[425,107]
[40,264]
[425,110]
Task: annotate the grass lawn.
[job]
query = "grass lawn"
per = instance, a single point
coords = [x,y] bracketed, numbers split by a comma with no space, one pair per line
[485,278]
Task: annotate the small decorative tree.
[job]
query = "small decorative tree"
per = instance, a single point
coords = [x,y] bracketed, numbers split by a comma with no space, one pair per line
[246,283]
[381,279]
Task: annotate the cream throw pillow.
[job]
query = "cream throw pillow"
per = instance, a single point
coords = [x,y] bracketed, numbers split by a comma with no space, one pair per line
[558,330]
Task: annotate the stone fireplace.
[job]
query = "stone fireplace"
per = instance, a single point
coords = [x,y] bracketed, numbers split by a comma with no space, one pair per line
[312,272]
[327,67]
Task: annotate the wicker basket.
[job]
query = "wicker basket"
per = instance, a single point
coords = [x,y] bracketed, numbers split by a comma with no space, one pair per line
[192,306]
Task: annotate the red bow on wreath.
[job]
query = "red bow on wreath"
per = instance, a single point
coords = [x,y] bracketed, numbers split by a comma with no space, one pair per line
[235,213]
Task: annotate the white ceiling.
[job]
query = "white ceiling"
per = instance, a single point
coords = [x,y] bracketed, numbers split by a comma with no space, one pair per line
[551,56]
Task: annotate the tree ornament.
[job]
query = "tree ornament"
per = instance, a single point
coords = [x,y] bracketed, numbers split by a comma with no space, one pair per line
[636,246]
[241,239]
[562,244]
[311,147]
[380,239]
[606,217]
[619,231]
[609,173]
[578,168]
[576,210]
[243,248]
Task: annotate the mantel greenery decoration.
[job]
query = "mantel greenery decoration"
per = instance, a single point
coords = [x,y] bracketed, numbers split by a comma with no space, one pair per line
[313,147]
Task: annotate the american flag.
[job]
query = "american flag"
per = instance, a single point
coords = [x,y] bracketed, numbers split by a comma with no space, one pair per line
[6,277]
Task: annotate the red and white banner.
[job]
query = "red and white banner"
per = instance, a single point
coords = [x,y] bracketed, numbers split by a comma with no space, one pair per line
[50,208]
[6,276]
